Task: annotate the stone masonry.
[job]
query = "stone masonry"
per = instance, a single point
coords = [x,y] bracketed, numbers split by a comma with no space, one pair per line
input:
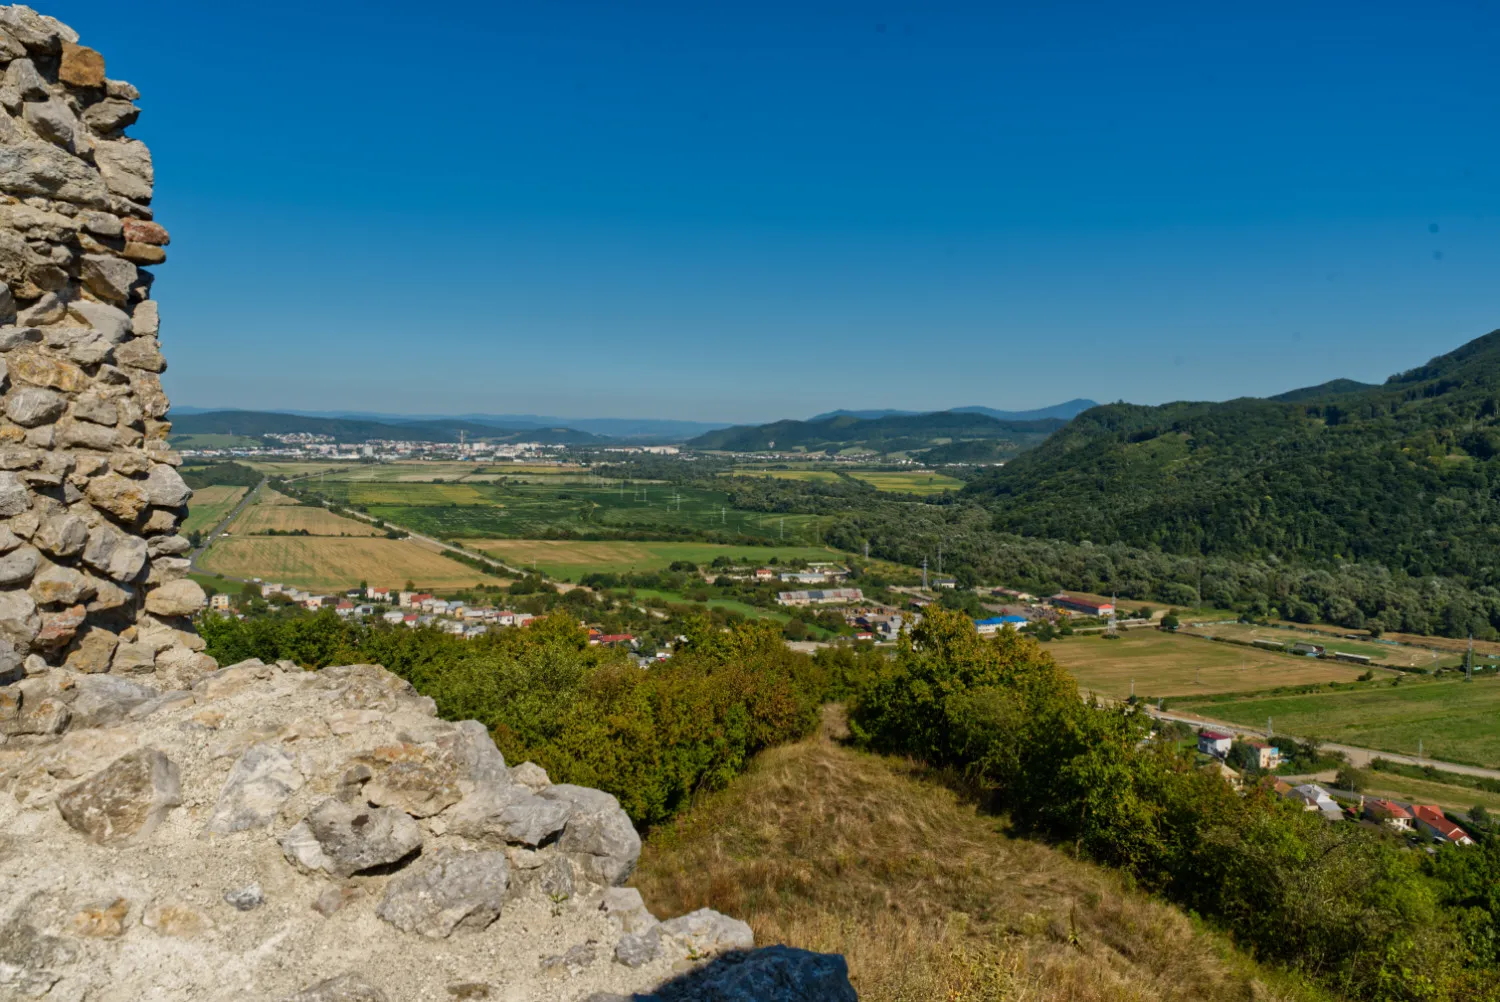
[93,573]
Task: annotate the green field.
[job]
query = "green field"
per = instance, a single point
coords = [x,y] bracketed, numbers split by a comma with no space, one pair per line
[908,481]
[1170,664]
[1456,721]
[1401,655]
[808,476]
[531,510]
[208,507]
[571,559]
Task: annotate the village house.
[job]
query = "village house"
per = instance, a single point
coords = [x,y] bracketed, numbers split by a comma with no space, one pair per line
[394,618]
[1267,757]
[1388,813]
[1214,743]
[268,589]
[219,602]
[1313,797]
[344,609]
[997,623]
[765,574]
[828,596]
[1431,821]
[378,594]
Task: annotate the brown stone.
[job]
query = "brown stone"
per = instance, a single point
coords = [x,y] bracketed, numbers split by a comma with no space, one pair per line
[101,921]
[119,496]
[93,651]
[335,898]
[182,597]
[36,369]
[144,253]
[123,801]
[81,66]
[141,353]
[420,779]
[143,231]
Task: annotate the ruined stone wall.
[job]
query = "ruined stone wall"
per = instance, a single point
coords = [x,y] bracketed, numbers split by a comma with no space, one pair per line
[92,569]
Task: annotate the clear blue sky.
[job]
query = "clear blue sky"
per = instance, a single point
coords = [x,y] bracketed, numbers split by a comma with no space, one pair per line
[745,212]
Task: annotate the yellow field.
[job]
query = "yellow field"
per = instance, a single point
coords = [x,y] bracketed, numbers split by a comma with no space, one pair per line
[571,559]
[209,505]
[910,482]
[334,563]
[1165,664]
[260,518]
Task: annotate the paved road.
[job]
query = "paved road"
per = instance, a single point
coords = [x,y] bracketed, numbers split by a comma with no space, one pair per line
[218,531]
[1358,757]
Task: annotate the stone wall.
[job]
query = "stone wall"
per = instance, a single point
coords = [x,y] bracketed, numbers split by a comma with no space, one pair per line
[92,569]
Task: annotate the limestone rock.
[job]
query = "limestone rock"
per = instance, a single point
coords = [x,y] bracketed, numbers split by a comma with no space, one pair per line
[638,949]
[531,776]
[165,487]
[705,932]
[56,584]
[30,406]
[14,497]
[245,899]
[144,231]
[598,833]
[260,782]
[104,700]
[110,321]
[18,566]
[62,535]
[31,367]
[126,167]
[447,890]
[183,597]
[627,910]
[108,277]
[343,839]
[110,115]
[513,815]
[58,628]
[117,554]
[133,659]
[92,650]
[124,801]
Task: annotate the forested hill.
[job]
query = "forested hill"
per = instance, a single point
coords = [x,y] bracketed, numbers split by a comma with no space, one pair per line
[1404,474]
[893,433]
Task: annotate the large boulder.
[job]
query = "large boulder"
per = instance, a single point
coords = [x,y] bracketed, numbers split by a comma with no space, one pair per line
[599,834]
[343,839]
[450,889]
[125,801]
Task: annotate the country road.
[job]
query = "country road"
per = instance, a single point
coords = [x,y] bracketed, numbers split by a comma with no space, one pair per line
[1358,757]
[218,531]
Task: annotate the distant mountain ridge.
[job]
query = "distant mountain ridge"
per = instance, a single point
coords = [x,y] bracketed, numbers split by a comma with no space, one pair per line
[892,433]
[1065,411]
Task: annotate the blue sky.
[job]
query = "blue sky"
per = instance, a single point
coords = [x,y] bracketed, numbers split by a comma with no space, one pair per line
[752,211]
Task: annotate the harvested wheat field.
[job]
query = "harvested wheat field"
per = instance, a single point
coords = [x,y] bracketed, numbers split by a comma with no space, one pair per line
[334,563]
[261,518]
[209,505]
[830,849]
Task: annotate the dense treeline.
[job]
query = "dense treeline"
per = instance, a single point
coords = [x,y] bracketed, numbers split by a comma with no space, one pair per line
[220,475]
[586,714]
[1404,475]
[1359,595]
[1352,907]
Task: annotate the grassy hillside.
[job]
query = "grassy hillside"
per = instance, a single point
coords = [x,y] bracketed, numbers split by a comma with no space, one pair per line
[831,849]
[895,433]
[1402,474]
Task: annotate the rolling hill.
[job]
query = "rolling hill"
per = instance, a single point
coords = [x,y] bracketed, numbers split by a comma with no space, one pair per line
[1406,474]
[893,433]
[258,423]
[1064,411]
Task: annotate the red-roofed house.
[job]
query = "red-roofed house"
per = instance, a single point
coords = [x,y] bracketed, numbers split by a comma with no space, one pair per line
[1214,743]
[612,639]
[1432,821]
[1388,813]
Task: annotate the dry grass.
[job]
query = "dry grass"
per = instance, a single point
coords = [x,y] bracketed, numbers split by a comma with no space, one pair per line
[209,505]
[259,518]
[333,564]
[829,849]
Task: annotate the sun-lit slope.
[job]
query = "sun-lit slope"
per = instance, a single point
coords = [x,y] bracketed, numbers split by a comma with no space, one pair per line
[822,847]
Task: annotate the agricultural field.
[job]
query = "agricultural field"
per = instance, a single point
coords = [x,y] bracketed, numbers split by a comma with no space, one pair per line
[908,481]
[209,505]
[1166,664]
[571,559]
[806,476]
[1455,721]
[298,468]
[332,564]
[531,510]
[1393,654]
[267,516]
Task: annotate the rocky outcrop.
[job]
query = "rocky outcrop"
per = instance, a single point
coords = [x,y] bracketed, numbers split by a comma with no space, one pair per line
[277,833]
[91,567]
